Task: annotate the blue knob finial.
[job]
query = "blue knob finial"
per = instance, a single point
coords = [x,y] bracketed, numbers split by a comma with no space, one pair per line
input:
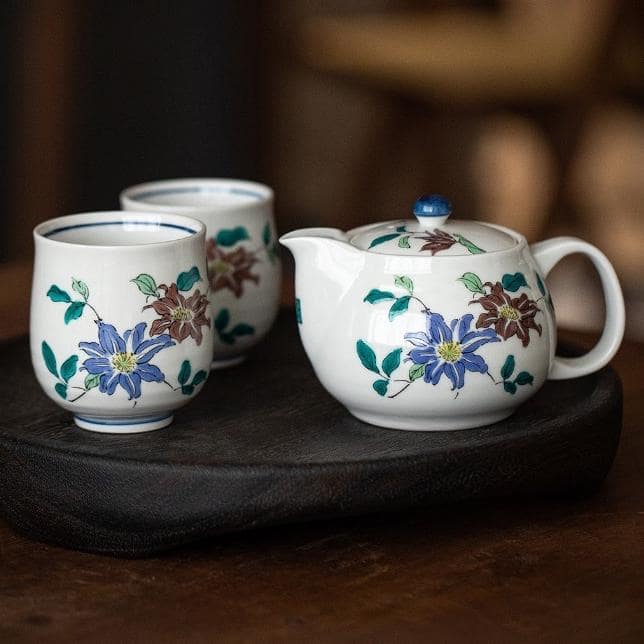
[432,206]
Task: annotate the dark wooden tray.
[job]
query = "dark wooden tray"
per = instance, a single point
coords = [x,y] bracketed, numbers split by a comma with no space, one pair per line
[265,444]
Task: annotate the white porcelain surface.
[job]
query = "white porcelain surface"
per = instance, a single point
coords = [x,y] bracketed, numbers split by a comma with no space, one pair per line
[241,242]
[120,325]
[369,322]
[409,237]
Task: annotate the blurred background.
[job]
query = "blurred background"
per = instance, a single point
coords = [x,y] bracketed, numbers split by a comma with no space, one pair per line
[527,113]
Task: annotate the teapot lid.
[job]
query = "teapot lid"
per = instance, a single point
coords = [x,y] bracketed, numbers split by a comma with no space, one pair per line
[432,234]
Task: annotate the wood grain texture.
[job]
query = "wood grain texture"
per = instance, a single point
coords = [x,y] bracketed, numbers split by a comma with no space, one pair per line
[293,454]
[555,569]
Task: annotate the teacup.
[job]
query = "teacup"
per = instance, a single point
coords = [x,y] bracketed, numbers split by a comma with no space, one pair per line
[121,327]
[243,263]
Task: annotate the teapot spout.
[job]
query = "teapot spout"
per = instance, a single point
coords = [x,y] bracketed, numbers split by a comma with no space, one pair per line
[321,246]
[312,236]
[326,266]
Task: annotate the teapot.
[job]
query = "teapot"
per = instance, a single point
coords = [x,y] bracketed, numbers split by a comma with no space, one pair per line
[435,323]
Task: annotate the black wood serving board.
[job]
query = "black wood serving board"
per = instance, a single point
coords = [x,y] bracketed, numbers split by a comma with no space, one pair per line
[265,444]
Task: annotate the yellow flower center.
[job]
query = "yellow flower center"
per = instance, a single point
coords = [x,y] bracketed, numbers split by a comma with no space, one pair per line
[181,314]
[509,313]
[219,267]
[450,351]
[124,362]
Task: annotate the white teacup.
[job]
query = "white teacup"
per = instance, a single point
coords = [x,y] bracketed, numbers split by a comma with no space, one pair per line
[121,328]
[243,263]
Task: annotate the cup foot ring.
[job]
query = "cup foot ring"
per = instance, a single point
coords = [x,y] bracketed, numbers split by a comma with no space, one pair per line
[123,425]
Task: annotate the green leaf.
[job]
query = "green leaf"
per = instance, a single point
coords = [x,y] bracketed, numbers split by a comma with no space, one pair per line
[403,242]
[391,361]
[266,234]
[200,377]
[74,311]
[273,252]
[230,236]
[80,288]
[401,229]
[186,281]
[367,356]
[61,390]
[541,285]
[417,371]
[510,387]
[382,239]
[405,282]
[514,282]
[92,380]
[227,338]
[399,306]
[56,294]
[242,329]
[466,243]
[50,359]
[472,282]
[68,368]
[184,372]
[508,368]
[146,284]
[381,386]
[524,378]
[375,295]
[222,319]
[187,390]
[298,310]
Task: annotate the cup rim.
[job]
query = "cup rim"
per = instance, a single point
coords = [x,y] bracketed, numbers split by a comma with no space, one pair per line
[194,227]
[137,194]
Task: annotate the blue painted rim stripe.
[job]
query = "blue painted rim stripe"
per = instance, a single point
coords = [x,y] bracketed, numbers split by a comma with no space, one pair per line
[161,192]
[427,214]
[125,422]
[63,229]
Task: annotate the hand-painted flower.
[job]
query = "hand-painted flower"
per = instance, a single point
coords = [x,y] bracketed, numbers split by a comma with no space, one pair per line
[510,316]
[180,316]
[229,270]
[437,241]
[123,360]
[449,350]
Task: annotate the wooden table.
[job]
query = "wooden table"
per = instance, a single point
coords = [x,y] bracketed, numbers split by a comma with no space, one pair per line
[566,570]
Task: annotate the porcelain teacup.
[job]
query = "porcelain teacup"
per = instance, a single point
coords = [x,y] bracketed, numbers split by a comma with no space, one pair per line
[121,331]
[243,262]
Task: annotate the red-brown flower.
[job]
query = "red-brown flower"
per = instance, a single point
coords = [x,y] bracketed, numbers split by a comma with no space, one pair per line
[510,316]
[437,241]
[229,270]
[180,316]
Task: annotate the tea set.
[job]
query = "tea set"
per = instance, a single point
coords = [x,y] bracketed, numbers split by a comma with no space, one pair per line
[422,324]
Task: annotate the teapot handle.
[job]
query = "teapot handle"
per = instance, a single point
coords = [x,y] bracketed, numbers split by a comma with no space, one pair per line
[550,252]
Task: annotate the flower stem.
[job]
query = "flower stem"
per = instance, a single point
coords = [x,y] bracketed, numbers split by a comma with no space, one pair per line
[426,309]
[169,385]
[491,377]
[98,317]
[401,390]
[79,395]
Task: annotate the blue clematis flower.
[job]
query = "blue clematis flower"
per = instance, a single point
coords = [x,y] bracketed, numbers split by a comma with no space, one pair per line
[124,360]
[449,350]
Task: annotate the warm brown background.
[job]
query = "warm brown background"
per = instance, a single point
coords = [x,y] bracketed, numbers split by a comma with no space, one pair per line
[524,113]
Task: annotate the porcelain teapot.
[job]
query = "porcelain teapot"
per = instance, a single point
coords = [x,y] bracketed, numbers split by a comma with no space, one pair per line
[435,323]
